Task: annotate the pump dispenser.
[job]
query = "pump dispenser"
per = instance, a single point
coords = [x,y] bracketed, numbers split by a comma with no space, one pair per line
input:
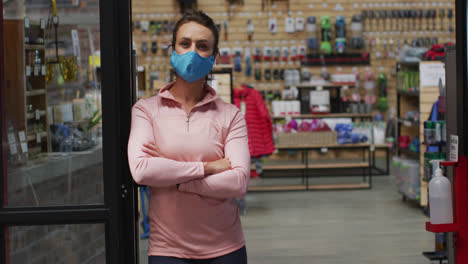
[440,198]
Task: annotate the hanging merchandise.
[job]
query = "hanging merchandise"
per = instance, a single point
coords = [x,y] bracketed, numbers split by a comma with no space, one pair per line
[276,74]
[299,24]
[187,4]
[369,87]
[340,34]
[364,17]
[257,55]
[172,26]
[258,120]
[248,62]
[284,53]
[237,62]
[450,16]
[267,53]
[276,53]
[225,55]
[383,102]
[273,25]
[218,25]
[325,46]
[311,28]
[301,54]
[144,47]
[250,29]
[158,28]
[165,26]
[144,25]
[267,74]
[289,24]
[258,74]
[225,23]
[383,15]
[154,47]
[293,53]
[281,74]
[357,40]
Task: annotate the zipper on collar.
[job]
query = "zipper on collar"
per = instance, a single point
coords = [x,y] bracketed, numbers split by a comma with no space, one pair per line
[188,122]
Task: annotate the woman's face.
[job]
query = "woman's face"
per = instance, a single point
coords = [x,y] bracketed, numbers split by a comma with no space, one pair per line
[192,36]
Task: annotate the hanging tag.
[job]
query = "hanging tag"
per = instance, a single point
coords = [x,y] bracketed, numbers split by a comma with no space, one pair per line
[372,148]
[28,70]
[38,114]
[324,150]
[43,70]
[22,136]
[243,107]
[13,149]
[43,24]
[38,137]
[24,147]
[453,148]
[11,138]
[26,22]
[36,70]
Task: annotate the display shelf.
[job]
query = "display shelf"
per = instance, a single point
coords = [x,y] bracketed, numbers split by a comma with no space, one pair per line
[329,165]
[34,47]
[408,123]
[285,167]
[295,147]
[34,137]
[327,85]
[278,188]
[35,92]
[408,93]
[433,256]
[409,153]
[333,115]
[33,115]
[442,228]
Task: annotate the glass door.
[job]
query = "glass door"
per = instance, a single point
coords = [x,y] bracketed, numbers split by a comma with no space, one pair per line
[66,195]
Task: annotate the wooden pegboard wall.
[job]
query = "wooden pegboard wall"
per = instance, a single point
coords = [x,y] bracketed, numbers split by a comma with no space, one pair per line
[259,12]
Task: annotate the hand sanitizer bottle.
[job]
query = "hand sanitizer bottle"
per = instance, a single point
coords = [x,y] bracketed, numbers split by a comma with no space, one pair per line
[440,198]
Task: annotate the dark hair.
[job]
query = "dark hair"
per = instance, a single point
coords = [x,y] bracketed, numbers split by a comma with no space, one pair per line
[203,19]
[200,18]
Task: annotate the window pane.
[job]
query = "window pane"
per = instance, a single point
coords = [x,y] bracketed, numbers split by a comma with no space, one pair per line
[71,244]
[52,95]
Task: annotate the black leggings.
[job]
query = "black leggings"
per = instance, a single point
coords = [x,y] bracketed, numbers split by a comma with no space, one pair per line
[237,257]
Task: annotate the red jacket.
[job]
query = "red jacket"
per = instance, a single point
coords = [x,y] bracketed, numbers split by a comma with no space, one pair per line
[259,124]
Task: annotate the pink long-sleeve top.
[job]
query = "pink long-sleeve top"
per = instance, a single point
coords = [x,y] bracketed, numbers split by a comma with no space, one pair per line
[200,219]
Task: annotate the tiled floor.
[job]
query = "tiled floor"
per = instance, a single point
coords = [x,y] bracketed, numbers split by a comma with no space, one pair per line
[333,227]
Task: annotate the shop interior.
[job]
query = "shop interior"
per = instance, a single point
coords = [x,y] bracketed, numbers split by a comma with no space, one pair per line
[349,89]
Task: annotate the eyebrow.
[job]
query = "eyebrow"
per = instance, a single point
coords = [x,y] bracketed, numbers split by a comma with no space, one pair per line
[198,41]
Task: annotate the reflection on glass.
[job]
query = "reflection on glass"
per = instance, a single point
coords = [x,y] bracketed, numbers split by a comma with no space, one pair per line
[71,244]
[53,103]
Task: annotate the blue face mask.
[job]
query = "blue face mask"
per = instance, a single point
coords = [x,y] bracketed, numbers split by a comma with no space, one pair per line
[191,66]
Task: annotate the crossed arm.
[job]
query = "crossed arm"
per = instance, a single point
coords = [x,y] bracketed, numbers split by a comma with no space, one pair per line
[225,178]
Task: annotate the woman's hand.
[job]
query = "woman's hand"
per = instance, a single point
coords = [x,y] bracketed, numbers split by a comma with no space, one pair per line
[151,149]
[217,166]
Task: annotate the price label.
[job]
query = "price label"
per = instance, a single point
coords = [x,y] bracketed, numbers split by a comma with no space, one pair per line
[372,148]
[13,149]
[26,22]
[324,150]
[453,148]
[38,114]
[28,70]
[43,23]
[43,70]
[36,70]
[24,147]
[38,137]
[22,136]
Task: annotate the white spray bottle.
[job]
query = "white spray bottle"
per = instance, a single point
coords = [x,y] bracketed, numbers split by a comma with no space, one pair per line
[440,198]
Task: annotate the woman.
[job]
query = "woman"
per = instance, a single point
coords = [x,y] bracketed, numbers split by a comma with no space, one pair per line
[191,148]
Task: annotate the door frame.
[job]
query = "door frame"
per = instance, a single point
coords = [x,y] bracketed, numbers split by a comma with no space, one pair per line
[119,213]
